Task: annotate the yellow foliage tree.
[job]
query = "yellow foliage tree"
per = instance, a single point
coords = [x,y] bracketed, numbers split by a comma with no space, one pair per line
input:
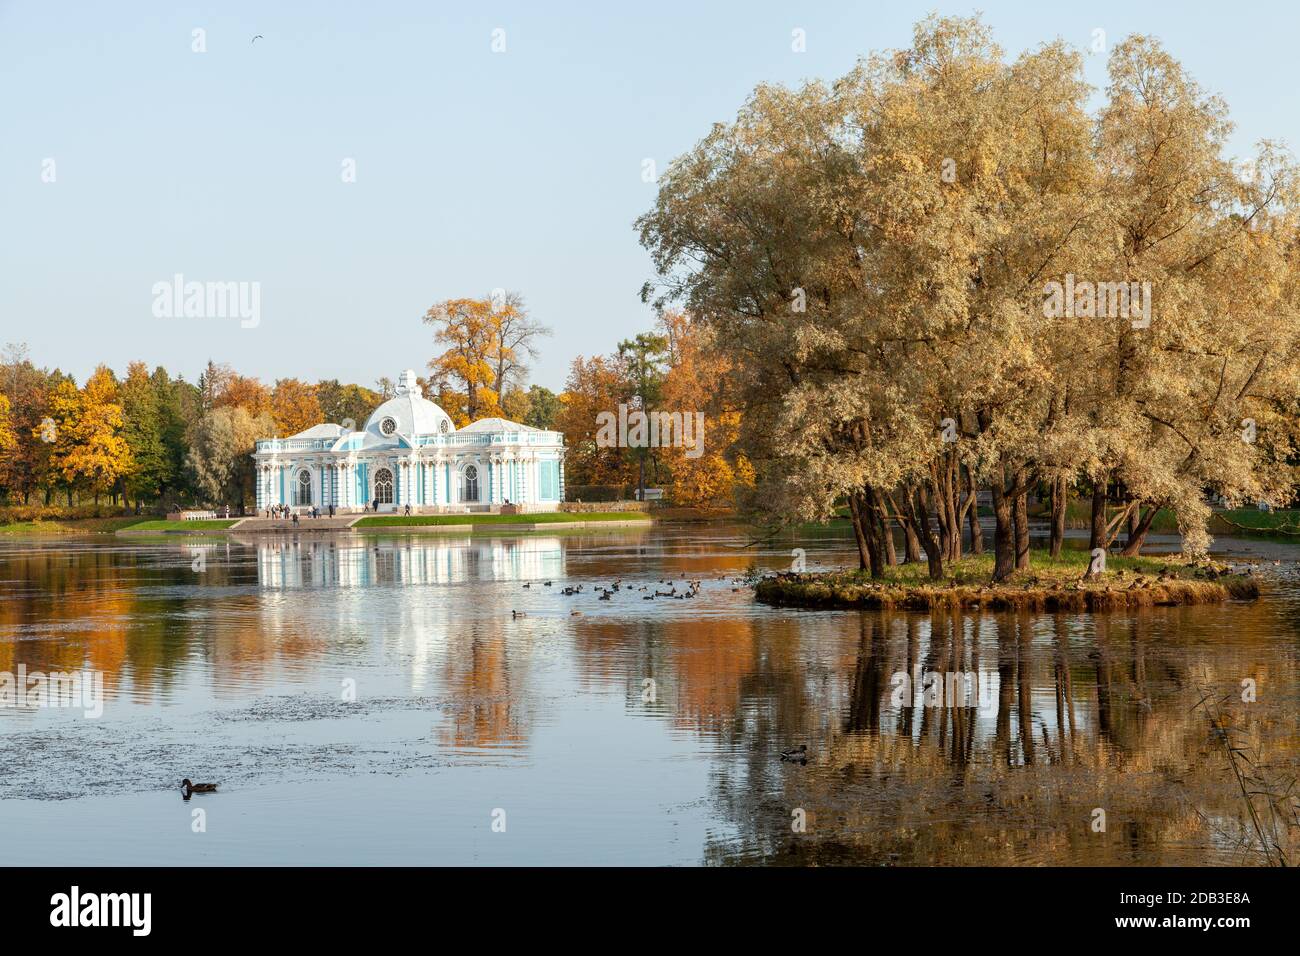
[294,406]
[94,452]
[468,328]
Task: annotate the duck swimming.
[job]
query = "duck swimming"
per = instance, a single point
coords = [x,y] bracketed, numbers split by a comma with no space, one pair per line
[799,753]
[190,789]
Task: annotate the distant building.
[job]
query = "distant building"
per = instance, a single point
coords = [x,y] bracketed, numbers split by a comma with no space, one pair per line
[409,453]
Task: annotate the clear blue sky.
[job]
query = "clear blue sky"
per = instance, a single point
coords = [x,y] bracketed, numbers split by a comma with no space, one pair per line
[475,170]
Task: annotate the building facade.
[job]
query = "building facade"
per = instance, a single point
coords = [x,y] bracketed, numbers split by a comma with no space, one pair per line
[410,453]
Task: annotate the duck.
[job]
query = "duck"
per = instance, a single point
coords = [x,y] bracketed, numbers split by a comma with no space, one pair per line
[799,753]
[515,615]
[192,788]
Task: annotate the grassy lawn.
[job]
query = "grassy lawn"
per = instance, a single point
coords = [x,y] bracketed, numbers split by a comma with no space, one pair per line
[162,525]
[1043,570]
[1078,515]
[549,517]
[1281,524]
[69,526]
[1050,584]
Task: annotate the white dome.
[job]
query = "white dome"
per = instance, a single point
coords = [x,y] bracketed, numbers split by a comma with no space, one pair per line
[409,413]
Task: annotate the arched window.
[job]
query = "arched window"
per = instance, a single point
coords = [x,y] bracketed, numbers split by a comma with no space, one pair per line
[302,490]
[469,486]
[384,486]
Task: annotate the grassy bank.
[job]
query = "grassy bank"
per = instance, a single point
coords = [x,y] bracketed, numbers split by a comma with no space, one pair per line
[160,524]
[1046,584]
[1283,525]
[549,517]
[69,525]
[1249,521]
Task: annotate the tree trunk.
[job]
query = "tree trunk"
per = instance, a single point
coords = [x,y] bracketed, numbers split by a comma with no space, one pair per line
[911,542]
[976,531]
[1060,491]
[1004,546]
[864,550]
[1138,532]
[1097,536]
[883,529]
[1020,514]
[929,540]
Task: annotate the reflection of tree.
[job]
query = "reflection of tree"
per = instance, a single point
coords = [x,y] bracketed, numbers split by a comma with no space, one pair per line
[1071,728]
[484,687]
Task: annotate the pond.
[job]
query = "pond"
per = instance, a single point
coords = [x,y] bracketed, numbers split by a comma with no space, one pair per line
[405,699]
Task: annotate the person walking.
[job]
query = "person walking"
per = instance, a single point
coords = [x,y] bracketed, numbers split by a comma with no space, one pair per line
[376,506]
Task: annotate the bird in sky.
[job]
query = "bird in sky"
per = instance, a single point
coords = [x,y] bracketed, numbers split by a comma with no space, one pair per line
[255,39]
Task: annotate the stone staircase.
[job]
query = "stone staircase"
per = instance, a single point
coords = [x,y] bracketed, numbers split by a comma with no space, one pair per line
[339,523]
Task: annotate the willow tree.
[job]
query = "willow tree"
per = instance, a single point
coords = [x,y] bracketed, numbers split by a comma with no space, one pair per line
[1167,394]
[874,257]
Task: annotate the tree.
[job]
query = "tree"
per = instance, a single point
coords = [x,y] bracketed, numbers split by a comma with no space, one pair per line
[213,381]
[221,444]
[515,335]
[514,404]
[544,408]
[713,472]
[180,406]
[873,260]
[643,360]
[489,342]
[8,437]
[25,388]
[469,329]
[294,406]
[594,385]
[238,391]
[340,403]
[56,434]
[143,426]
[92,448]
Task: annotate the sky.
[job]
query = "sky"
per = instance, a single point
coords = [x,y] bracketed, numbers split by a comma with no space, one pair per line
[494,145]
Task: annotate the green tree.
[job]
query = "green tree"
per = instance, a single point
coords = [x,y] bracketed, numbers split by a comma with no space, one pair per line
[645,363]
[143,430]
[339,403]
[221,446]
[544,408]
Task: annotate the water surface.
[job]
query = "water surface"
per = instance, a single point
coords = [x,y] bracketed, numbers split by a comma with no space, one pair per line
[370,699]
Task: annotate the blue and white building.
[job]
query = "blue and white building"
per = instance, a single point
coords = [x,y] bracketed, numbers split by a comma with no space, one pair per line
[410,453]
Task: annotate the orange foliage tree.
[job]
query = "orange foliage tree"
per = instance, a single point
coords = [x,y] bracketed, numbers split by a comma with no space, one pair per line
[294,406]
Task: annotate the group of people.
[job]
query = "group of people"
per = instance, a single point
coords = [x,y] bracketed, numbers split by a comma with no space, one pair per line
[284,512]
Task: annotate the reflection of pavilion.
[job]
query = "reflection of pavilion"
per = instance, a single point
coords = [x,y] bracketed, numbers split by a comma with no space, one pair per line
[360,560]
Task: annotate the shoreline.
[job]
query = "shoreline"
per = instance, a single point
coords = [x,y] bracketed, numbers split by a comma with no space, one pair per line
[1163,581]
[385,524]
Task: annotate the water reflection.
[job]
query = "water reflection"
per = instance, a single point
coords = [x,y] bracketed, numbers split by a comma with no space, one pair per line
[350,561]
[673,709]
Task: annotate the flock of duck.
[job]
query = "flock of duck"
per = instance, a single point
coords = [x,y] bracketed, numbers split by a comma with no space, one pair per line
[690,588]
